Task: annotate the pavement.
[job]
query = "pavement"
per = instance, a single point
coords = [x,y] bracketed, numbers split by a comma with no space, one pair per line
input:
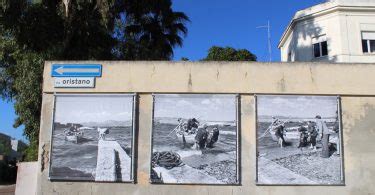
[271,173]
[179,175]
[7,189]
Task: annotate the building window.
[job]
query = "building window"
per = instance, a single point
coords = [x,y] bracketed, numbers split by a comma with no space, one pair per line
[289,57]
[368,42]
[320,46]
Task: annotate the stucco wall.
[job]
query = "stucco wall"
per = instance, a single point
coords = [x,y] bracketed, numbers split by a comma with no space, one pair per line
[354,82]
[342,27]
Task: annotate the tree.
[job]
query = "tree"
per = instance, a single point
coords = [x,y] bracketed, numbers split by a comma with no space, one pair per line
[34,31]
[150,32]
[229,54]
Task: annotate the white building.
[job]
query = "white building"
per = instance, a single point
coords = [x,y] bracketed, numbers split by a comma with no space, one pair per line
[336,31]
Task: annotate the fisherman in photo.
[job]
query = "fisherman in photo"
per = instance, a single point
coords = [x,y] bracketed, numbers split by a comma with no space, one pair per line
[213,136]
[313,133]
[201,137]
[302,136]
[102,133]
[279,133]
[192,125]
[324,134]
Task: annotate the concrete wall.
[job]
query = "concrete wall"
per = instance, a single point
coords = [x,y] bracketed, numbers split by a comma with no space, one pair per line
[354,82]
[26,178]
[342,26]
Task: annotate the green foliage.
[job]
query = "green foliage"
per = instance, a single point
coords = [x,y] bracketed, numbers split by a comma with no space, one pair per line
[4,149]
[229,54]
[151,31]
[185,59]
[5,145]
[31,152]
[32,32]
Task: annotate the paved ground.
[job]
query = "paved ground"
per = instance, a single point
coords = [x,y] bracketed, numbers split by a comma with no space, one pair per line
[272,173]
[7,189]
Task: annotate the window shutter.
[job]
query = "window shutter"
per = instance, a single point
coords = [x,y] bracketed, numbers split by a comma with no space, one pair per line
[319,39]
[368,35]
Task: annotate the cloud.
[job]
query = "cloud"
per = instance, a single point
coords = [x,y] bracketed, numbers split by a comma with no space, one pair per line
[204,107]
[78,109]
[206,102]
[297,106]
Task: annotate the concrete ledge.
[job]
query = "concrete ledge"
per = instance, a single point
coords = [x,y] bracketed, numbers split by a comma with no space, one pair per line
[26,178]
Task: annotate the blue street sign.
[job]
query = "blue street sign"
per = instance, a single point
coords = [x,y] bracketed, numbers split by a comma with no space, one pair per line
[76,70]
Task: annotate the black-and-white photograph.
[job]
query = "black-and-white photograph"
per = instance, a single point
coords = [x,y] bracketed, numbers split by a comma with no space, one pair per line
[299,140]
[92,138]
[194,139]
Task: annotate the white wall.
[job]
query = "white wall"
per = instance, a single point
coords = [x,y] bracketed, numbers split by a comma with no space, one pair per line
[26,178]
[343,32]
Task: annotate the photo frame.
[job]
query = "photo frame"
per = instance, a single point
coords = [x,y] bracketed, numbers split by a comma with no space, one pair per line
[299,140]
[93,138]
[179,153]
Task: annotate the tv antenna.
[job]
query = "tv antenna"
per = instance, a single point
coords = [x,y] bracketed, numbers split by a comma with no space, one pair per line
[268,26]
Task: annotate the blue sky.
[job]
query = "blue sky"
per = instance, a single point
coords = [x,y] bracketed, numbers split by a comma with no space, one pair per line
[216,22]
[7,117]
[233,23]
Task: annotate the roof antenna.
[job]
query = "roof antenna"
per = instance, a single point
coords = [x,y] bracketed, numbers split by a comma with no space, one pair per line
[268,26]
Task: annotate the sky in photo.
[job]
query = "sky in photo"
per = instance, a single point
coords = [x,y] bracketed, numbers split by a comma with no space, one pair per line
[297,106]
[201,107]
[79,109]
[215,22]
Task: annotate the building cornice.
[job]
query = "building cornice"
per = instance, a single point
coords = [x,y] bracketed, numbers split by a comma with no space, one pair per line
[299,16]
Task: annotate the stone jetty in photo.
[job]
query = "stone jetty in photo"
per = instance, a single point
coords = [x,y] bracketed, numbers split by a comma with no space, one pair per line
[113,163]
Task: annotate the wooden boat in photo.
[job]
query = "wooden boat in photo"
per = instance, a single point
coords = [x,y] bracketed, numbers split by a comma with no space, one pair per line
[186,137]
[289,135]
[183,135]
[72,136]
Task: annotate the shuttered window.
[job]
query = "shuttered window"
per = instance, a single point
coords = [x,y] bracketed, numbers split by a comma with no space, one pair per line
[368,42]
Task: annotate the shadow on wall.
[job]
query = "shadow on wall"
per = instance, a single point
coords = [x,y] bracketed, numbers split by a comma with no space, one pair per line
[300,48]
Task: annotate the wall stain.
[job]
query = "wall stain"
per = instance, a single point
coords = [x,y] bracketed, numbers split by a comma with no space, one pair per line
[362,173]
[153,71]
[365,123]
[281,84]
[311,75]
[190,83]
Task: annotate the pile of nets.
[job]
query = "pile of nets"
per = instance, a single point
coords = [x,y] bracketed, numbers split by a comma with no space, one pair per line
[167,160]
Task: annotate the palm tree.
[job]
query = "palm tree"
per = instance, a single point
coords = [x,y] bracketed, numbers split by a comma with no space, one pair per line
[150,32]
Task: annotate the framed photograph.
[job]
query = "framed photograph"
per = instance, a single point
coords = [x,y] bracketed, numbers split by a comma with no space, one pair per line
[195,139]
[93,138]
[299,140]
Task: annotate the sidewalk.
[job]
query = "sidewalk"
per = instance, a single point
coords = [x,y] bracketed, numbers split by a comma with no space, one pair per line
[7,189]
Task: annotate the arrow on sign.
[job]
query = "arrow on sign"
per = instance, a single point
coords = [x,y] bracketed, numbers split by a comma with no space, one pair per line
[76,70]
[61,70]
